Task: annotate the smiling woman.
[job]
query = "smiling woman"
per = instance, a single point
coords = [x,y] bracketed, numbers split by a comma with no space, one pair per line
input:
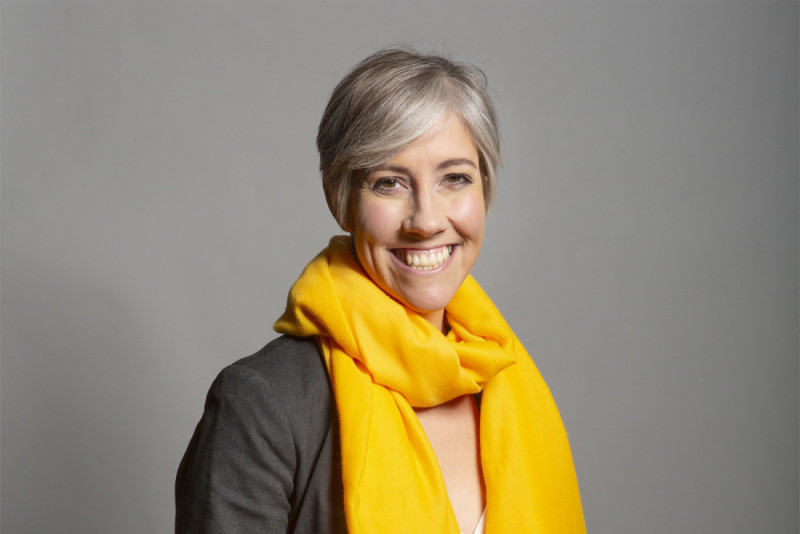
[418,220]
[398,399]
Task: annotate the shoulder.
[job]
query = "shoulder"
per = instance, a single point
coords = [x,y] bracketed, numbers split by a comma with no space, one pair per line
[286,360]
[288,370]
[264,445]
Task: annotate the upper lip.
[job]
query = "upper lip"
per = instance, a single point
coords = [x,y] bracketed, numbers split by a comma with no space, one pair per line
[425,257]
[422,250]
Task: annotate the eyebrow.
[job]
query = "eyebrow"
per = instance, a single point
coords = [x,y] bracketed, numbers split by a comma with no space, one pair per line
[457,161]
[443,165]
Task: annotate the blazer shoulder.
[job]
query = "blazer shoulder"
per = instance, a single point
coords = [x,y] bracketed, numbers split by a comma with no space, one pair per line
[293,370]
[287,359]
[264,454]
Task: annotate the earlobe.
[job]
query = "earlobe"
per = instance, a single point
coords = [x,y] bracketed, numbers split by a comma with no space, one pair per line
[346,224]
[342,221]
[348,215]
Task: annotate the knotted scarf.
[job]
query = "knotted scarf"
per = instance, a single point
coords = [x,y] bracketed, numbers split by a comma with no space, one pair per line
[384,360]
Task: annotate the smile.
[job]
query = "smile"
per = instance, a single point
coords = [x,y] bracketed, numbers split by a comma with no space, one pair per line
[424,260]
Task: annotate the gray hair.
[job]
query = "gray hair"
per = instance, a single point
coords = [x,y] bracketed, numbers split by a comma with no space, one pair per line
[389,100]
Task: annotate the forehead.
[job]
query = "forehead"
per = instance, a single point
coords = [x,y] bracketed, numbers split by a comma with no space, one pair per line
[448,143]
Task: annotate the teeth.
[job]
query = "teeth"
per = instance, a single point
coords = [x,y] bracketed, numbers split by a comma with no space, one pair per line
[427,261]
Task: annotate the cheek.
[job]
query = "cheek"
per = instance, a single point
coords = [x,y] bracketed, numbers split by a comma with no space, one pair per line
[375,220]
[470,215]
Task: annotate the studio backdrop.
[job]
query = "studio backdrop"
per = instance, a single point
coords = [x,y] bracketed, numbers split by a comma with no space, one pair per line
[160,194]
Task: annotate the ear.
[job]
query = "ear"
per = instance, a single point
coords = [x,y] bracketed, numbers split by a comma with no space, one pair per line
[341,221]
[344,220]
[347,221]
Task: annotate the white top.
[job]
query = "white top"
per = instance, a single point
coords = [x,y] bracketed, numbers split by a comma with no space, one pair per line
[480,528]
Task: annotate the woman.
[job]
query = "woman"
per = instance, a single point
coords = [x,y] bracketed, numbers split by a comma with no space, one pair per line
[398,399]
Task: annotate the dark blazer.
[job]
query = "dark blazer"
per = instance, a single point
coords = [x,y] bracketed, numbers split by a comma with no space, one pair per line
[265,455]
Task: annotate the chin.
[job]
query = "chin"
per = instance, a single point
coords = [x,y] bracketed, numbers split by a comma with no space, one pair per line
[427,304]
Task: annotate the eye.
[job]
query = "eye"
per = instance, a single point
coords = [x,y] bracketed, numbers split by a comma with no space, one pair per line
[457,179]
[386,184]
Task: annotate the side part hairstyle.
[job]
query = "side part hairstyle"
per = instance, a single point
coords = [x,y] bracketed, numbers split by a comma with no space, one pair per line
[388,101]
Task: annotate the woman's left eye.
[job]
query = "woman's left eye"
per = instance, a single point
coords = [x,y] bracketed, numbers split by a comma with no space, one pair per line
[457,179]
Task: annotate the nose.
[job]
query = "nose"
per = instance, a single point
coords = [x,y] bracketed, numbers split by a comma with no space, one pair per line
[427,215]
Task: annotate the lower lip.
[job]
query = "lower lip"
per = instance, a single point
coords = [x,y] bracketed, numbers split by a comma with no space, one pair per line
[440,268]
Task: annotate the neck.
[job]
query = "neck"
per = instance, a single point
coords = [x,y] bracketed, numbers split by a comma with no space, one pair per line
[436,318]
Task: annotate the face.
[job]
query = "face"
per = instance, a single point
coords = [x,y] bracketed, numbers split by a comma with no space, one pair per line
[418,220]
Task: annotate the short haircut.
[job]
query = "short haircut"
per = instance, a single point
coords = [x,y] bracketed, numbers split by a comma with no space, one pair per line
[387,101]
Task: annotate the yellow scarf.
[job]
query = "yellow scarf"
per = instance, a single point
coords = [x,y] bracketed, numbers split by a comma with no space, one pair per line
[384,359]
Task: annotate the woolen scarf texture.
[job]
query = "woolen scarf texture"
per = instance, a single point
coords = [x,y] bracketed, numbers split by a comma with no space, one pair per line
[385,359]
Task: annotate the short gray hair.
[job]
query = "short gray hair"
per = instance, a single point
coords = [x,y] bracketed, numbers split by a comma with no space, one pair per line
[389,100]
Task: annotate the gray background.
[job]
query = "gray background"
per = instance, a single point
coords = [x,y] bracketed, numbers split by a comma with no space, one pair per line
[160,195]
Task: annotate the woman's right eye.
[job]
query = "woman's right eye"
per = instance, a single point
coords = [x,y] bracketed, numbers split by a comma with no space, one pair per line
[386,185]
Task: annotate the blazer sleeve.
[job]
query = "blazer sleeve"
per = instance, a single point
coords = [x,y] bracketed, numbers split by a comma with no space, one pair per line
[237,473]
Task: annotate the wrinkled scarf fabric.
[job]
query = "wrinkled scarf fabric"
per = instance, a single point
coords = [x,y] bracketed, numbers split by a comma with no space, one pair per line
[384,360]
